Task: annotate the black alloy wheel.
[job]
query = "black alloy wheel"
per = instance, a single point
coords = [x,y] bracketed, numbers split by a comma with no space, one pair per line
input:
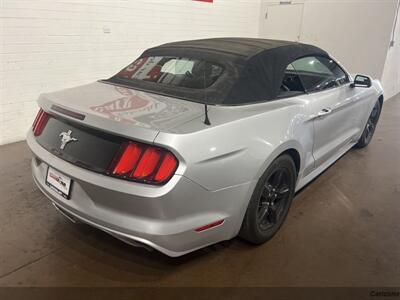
[369,129]
[270,202]
[273,199]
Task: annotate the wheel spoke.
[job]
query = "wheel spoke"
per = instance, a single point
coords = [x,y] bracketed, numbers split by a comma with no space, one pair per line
[283,190]
[267,191]
[263,212]
[272,216]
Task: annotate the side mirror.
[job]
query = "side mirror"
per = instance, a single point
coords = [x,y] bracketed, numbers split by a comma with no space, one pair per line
[362,81]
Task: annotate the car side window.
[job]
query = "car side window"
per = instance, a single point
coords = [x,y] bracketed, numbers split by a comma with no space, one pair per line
[318,73]
[291,84]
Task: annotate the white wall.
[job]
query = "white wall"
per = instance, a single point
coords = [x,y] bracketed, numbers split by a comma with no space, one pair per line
[356,32]
[391,74]
[49,44]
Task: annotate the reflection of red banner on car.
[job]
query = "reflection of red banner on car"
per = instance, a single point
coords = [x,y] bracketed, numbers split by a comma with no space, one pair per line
[133,104]
[131,101]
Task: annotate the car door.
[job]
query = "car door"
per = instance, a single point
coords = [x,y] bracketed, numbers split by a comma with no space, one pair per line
[333,106]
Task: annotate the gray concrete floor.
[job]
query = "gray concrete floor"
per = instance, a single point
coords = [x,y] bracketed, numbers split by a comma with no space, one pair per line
[343,230]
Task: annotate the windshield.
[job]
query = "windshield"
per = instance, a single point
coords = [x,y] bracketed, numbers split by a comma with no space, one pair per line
[172,71]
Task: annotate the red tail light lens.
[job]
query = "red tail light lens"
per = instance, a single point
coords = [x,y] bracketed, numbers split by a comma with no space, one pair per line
[144,163]
[164,171]
[128,160]
[148,163]
[40,122]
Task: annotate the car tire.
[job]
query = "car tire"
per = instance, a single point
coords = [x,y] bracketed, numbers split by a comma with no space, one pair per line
[370,127]
[270,202]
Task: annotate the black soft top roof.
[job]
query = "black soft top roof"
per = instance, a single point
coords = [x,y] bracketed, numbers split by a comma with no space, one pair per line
[253,68]
[243,47]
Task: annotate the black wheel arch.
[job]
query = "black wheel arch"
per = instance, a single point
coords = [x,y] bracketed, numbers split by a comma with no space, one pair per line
[295,155]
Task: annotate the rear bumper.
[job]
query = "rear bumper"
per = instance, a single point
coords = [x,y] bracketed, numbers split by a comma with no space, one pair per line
[161,217]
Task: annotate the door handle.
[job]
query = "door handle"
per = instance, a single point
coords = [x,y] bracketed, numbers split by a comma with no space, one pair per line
[324,112]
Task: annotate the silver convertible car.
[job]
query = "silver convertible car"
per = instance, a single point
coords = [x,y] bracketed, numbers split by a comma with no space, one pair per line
[197,142]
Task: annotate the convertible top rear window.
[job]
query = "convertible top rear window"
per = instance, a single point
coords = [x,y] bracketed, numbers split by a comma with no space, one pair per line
[223,71]
[173,71]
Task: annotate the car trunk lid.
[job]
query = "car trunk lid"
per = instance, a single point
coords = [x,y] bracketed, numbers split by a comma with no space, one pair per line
[121,111]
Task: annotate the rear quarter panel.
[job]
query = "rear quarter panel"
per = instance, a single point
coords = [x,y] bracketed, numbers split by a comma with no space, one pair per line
[241,142]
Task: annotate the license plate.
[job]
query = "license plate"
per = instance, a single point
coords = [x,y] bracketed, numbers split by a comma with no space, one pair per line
[58,182]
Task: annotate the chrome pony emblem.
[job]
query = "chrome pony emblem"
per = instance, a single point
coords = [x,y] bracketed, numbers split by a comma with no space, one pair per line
[66,138]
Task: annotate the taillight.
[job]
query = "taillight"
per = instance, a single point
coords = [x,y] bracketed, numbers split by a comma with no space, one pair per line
[40,122]
[144,163]
[128,159]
